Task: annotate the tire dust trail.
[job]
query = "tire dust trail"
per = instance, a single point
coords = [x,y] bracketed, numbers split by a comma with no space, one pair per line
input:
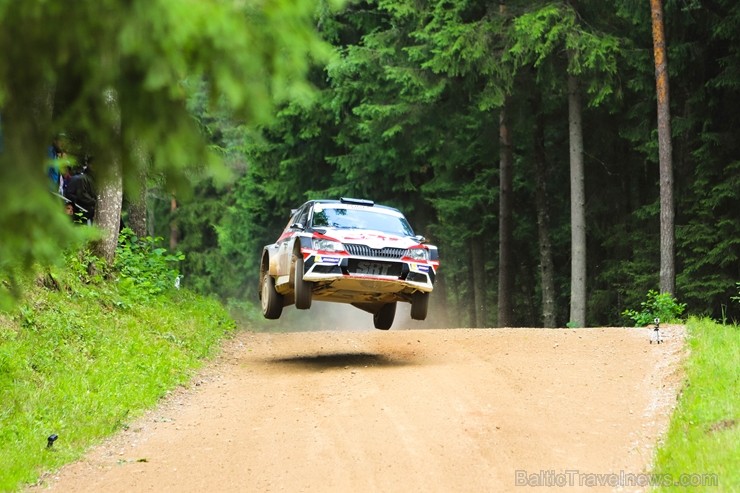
[406,410]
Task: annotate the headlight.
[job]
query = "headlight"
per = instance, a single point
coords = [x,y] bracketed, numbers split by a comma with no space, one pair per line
[327,245]
[417,253]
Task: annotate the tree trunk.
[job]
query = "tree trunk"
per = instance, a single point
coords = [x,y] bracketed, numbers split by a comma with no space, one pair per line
[577,207]
[108,210]
[137,209]
[479,281]
[667,207]
[137,217]
[547,267]
[109,188]
[174,231]
[505,267]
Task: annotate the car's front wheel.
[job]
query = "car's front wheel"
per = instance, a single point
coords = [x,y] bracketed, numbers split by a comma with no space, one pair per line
[419,305]
[383,318]
[302,288]
[272,301]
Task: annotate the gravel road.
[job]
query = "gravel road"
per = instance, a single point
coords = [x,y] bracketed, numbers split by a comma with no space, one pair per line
[441,410]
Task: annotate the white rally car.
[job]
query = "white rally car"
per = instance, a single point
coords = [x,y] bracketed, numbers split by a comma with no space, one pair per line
[348,251]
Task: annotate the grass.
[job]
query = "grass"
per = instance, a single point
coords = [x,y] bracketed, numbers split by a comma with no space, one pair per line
[81,359]
[703,440]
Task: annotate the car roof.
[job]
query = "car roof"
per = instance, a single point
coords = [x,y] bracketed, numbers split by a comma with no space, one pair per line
[350,201]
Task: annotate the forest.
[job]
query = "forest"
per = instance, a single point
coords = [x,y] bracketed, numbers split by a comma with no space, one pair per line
[409,113]
[460,113]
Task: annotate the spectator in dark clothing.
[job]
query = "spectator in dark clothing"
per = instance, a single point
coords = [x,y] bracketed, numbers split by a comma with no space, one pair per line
[81,191]
[67,174]
[52,170]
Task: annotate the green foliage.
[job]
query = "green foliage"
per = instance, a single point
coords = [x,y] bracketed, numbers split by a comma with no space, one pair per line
[407,114]
[19,252]
[144,269]
[662,306]
[542,36]
[709,246]
[81,357]
[704,433]
[88,268]
[117,79]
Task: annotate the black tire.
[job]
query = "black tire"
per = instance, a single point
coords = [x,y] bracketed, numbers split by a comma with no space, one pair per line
[419,306]
[271,300]
[383,318]
[302,288]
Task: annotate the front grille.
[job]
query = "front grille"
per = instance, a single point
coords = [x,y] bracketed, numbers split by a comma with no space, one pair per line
[366,251]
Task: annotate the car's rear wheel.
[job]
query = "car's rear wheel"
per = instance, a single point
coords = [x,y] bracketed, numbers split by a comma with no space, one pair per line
[383,318]
[419,305]
[302,288]
[272,301]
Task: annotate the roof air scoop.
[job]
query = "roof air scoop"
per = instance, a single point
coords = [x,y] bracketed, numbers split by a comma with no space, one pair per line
[349,200]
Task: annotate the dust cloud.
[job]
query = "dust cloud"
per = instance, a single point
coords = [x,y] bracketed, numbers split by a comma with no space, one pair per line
[341,317]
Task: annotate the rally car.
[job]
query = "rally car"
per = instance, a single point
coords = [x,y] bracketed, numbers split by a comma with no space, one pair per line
[348,251]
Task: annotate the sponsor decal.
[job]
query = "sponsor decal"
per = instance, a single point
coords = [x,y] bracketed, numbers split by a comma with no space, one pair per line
[375,241]
[372,268]
[422,268]
[319,259]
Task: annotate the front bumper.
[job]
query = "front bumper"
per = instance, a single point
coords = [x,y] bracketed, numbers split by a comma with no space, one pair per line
[357,273]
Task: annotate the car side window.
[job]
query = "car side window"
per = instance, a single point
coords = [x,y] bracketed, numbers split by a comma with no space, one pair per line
[292,220]
[295,218]
[302,216]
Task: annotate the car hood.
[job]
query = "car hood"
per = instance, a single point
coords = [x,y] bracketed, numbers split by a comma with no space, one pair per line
[372,239]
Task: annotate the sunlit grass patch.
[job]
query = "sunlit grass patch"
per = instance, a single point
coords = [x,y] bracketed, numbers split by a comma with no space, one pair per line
[703,441]
[81,360]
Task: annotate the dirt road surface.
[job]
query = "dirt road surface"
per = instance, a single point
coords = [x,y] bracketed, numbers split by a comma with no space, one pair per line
[453,410]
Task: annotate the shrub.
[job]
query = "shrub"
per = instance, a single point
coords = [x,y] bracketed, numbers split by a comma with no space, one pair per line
[144,268]
[86,349]
[658,305]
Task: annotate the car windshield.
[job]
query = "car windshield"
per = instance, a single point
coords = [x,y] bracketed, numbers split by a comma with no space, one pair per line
[350,218]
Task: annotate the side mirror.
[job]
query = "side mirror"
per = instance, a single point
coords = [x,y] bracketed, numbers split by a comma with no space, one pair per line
[420,239]
[297,226]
